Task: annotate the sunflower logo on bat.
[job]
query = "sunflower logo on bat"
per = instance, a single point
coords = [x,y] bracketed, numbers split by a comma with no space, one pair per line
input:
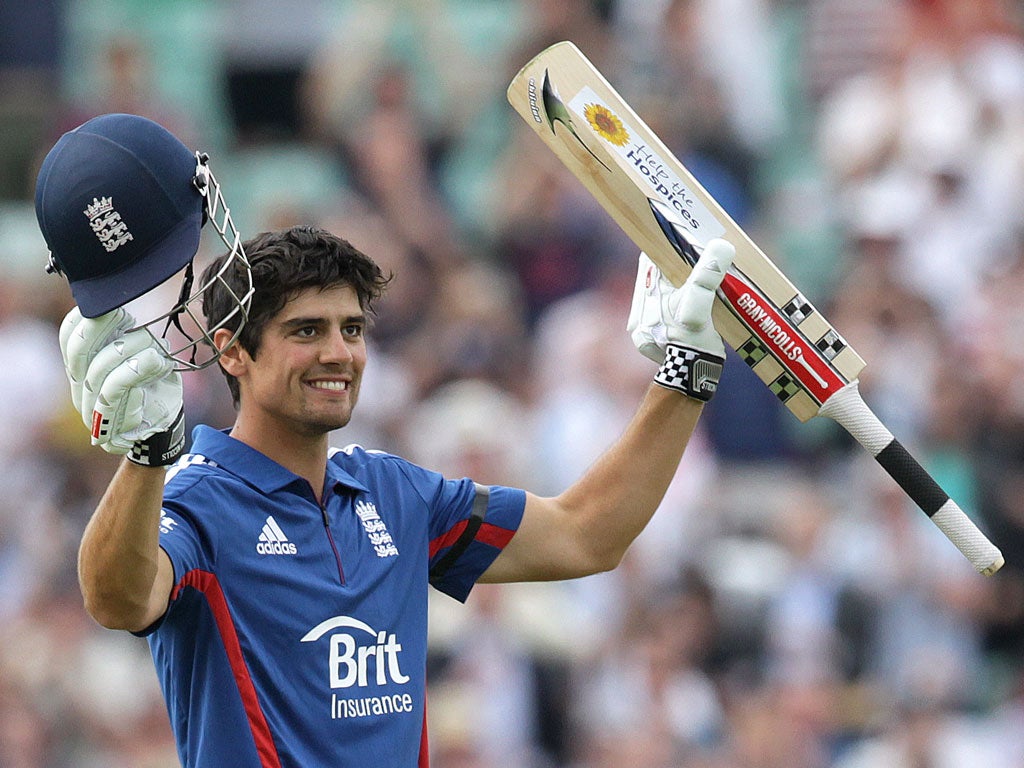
[607,124]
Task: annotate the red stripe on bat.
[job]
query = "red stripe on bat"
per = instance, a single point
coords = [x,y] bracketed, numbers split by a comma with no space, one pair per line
[781,337]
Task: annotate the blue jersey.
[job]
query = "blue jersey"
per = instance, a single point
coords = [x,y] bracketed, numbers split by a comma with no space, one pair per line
[296,633]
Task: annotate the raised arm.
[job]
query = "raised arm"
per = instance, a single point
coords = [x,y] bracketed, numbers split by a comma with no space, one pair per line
[131,399]
[589,527]
[125,577]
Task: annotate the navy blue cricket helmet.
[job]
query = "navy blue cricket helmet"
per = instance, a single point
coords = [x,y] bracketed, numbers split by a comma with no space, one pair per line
[120,202]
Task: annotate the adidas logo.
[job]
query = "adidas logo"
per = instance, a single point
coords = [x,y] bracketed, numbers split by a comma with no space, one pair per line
[273,541]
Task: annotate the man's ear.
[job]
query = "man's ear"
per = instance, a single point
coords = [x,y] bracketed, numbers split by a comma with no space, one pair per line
[233,358]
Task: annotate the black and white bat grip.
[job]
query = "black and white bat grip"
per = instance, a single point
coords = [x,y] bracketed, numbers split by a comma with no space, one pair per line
[848,409]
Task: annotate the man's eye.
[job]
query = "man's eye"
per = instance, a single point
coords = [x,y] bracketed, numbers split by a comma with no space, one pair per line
[306,332]
[353,330]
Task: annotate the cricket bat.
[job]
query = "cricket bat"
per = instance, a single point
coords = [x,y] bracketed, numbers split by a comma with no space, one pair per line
[795,351]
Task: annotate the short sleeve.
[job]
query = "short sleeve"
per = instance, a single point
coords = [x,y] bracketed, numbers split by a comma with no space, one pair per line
[469,532]
[181,542]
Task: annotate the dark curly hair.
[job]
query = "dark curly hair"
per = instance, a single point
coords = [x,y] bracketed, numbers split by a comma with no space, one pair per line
[284,263]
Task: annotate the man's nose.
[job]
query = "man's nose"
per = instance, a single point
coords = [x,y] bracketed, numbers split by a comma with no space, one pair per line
[336,348]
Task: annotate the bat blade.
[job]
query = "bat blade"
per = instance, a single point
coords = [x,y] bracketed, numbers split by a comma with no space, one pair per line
[658,203]
[670,216]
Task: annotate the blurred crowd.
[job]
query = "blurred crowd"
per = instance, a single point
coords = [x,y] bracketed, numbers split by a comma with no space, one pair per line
[788,607]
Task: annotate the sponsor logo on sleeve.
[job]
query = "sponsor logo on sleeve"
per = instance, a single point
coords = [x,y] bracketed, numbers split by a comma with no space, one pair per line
[167,523]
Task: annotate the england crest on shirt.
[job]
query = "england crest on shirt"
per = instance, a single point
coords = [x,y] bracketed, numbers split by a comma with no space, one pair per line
[376,530]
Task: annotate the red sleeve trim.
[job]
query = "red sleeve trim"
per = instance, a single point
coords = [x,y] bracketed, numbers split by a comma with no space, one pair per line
[488,534]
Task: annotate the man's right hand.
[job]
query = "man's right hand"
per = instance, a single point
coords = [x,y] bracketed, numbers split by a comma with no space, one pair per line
[124,387]
[673,326]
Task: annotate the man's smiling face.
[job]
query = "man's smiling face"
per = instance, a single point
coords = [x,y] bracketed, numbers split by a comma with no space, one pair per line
[306,373]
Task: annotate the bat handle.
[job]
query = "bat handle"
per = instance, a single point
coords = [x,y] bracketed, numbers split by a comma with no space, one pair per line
[848,409]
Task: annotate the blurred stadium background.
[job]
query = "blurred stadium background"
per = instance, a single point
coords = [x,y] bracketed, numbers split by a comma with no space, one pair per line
[787,608]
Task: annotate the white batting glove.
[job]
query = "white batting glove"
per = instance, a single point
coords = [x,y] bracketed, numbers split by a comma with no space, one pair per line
[82,338]
[124,387]
[673,326]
